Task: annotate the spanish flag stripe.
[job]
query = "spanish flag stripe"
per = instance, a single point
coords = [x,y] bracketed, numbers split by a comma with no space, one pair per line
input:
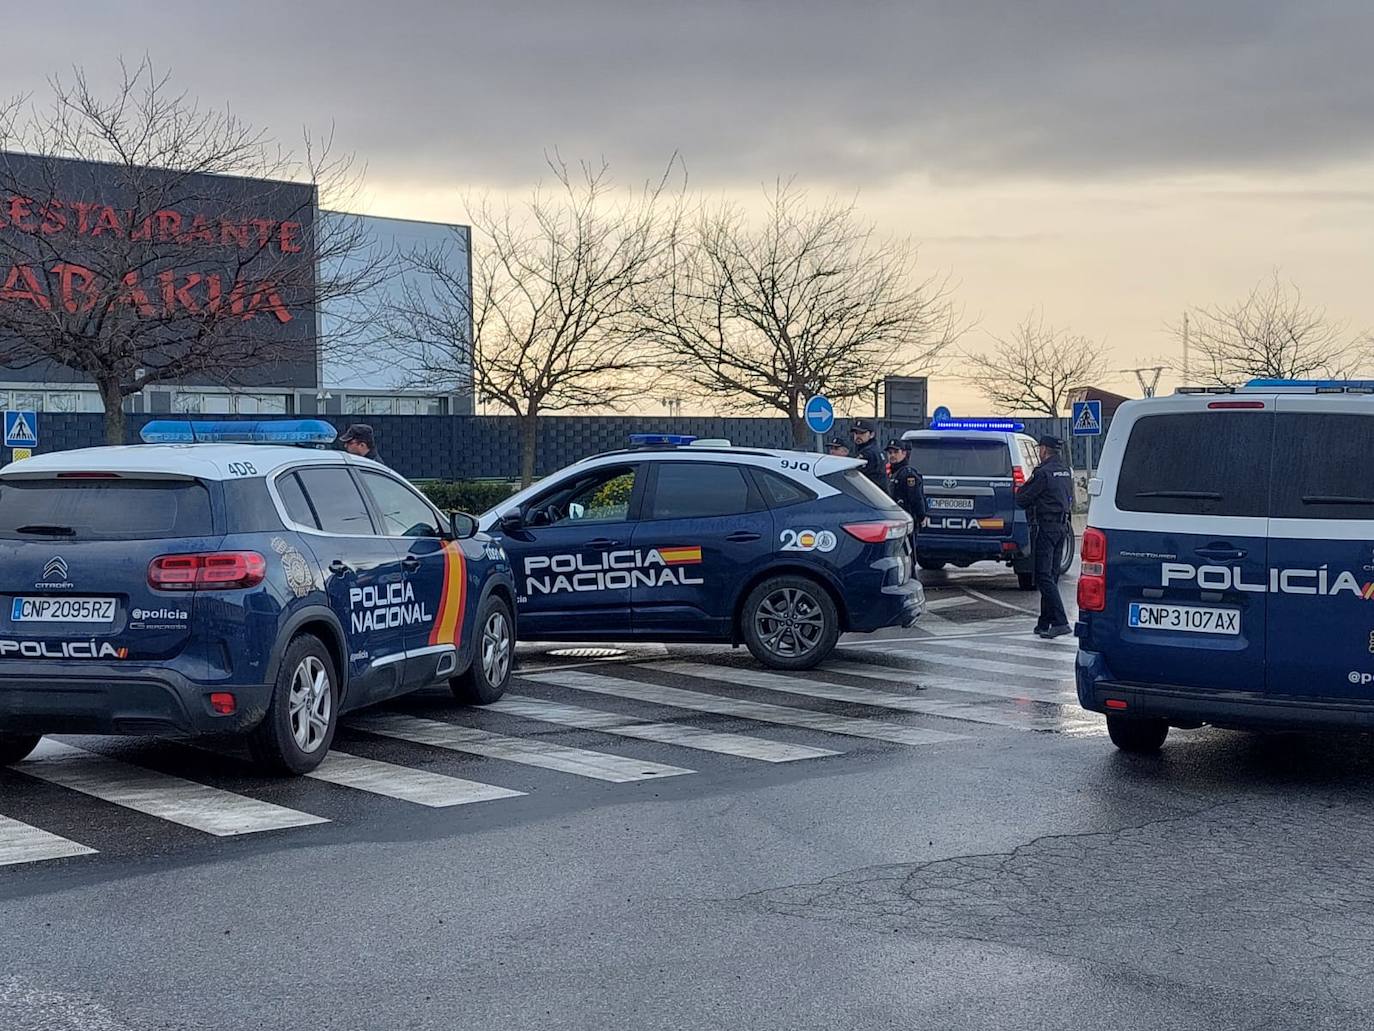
[681,554]
[449,622]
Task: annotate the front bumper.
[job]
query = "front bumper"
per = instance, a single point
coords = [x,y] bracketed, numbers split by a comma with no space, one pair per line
[89,698]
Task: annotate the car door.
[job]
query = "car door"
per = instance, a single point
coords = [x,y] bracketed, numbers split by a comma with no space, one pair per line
[1321,549]
[571,555]
[704,531]
[362,571]
[437,584]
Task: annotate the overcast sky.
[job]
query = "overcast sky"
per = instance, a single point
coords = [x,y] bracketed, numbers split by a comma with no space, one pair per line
[1111,163]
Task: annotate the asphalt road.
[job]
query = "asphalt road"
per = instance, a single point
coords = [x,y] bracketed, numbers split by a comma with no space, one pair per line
[926,833]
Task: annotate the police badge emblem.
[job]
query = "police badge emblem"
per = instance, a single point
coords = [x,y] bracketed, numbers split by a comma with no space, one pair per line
[298,575]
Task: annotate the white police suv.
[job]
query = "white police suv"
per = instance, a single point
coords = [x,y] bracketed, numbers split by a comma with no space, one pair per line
[1228,568]
[683,540]
[216,582]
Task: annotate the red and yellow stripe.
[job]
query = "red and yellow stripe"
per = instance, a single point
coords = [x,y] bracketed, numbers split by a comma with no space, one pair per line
[448,624]
[680,556]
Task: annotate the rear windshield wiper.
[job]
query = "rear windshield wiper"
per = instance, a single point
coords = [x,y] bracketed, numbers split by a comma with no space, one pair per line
[46,530]
[1335,499]
[1191,495]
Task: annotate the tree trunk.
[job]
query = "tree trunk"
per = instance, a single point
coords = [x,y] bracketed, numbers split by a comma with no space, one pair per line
[112,397]
[801,433]
[529,446]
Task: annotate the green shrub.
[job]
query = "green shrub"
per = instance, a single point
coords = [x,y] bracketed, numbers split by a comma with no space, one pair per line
[472,496]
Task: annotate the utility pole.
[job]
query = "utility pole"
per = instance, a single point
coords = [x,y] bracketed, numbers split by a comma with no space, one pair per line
[1147,389]
[1185,349]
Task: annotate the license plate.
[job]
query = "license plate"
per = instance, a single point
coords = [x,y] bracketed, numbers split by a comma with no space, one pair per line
[951,504]
[1191,619]
[63,610]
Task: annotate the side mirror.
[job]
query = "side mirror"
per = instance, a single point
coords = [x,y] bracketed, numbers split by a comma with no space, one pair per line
[510,522]
[464,525]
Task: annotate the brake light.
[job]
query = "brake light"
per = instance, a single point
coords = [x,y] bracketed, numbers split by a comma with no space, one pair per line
[88,476]
[223,703]
[1018,478]
[1092,577]
[213,571]
[876,533]
[1235,404]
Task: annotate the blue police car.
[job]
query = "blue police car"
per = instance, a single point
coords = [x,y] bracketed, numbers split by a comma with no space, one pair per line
[1228,570]
[683,540]
[217,582]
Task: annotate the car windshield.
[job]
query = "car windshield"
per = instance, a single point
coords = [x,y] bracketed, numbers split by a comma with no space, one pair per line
[104,509]
[959,456]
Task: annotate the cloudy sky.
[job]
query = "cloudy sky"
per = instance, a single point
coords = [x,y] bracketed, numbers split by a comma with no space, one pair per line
[1109,163]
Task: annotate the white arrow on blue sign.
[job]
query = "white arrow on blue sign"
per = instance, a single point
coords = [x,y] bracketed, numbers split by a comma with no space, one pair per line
[1087,418]
[820,414]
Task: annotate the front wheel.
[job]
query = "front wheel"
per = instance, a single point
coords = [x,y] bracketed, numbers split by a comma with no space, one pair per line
[295,735]
[14,747]
[789,622]
[1142,736]
[485,680]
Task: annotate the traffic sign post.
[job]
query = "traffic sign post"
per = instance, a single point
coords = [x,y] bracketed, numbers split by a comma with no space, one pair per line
[1087,422]
[21,429]
[820,417]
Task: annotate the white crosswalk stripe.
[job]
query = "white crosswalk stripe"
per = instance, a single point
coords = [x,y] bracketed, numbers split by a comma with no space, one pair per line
[544,754]
[194,805]
[665,733]
[875,730]
[965,663]
[20,843]
[1047,653]
[419,786]
[1036,692]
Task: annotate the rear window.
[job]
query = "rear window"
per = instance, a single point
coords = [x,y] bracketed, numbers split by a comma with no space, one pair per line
[104,510]
[1323,466]
[779,491]
[1198,463]
[854,484]
[953,456]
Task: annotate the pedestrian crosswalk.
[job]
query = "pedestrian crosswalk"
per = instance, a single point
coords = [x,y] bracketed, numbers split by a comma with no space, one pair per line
[690,716]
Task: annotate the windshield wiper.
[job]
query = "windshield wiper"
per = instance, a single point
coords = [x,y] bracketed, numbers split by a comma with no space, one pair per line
[1335,499]
[1193,495]
[46,530]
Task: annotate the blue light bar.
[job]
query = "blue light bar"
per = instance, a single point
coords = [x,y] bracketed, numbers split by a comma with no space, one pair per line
[266,431]
[981,425]
[674,439]
[1311,384]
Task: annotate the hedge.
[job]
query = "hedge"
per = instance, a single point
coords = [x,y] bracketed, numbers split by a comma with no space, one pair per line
[474,496]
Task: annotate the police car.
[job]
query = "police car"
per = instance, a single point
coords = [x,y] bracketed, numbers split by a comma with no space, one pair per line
[971,470]
[683,540]
[201,584]
[1228,571]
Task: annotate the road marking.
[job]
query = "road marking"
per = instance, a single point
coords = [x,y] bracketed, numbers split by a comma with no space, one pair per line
[664,733]
[544,754]
[875,730]
[947,603]
[866,696]
[998,601]
[20,843]
[186,802]
[409,785]
[1030,651]
[1064,696]
[965,663]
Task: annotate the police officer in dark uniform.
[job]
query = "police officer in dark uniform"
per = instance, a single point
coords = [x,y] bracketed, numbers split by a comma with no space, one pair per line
[908,489]
[866,447]
[1047,498]
[837,447]
[360,439]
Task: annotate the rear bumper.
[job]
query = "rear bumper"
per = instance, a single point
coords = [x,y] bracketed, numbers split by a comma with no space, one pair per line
[1189,705]
[899,605]
[945,548]
[88,698]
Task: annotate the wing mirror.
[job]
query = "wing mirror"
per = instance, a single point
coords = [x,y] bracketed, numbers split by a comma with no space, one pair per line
[510,522]
[463,525]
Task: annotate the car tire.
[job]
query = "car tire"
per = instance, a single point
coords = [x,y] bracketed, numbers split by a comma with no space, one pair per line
[303,715]
[1140,736]
[1066,552]
[14,747]
[1025,581]
[930,565]
[493,657]
[804,642]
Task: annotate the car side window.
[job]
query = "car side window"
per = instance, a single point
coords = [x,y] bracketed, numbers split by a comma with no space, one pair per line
[404,513]
[779,491]
[336,501]
[602,497]
[293,498]
[699,490]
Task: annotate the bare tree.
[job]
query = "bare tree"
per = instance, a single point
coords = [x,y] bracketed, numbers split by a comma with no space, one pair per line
[1034,369]
[761,315]
[547,323]
[1270,334]
[145,239]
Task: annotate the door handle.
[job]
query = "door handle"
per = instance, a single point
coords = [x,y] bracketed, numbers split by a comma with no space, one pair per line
[742,536]
[602,544]
[410,563]
[339,567]
[1220,552]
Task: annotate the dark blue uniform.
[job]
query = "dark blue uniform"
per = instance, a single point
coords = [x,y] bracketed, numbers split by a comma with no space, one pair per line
[875,465]
[1047,498]
[908,491]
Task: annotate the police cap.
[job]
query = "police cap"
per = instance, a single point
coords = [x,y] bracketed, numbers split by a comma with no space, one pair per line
[898,445]
[860,426]
[1050,442]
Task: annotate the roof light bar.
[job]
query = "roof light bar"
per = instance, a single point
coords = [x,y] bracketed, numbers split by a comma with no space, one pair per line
[266,431]
[981,425]
[1318,386]
[671,439]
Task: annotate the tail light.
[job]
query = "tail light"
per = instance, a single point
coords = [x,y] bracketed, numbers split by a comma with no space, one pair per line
[1018,478]
[876,533]
[1092,577]
[213,571]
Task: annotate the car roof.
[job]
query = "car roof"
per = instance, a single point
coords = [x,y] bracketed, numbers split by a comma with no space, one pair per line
[177,461]
[964,435]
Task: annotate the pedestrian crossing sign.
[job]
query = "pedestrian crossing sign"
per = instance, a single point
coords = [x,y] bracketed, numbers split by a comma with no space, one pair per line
[1087,418]
[21,429]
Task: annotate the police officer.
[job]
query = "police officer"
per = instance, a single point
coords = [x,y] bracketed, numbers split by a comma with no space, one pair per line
[837,447]
[1047,498]
[359,439]
[866,447]
[908,490]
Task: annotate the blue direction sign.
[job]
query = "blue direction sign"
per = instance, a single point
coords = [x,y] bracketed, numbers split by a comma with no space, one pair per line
[1087,418]
[820,414]
[942,414]
[21,429]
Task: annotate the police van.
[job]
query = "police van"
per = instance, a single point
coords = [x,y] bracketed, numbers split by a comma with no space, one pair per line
[214,581]
[1228,568]
[971,470]
[677,539]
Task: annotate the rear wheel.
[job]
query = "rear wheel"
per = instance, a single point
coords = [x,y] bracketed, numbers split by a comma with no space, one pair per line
[789,622]
[1131,734]
[930,564]
[485,680]
[14,747]
[295,735]
[1066,552]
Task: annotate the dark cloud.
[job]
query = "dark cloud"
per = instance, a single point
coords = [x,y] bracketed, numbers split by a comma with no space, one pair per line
[850,93]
